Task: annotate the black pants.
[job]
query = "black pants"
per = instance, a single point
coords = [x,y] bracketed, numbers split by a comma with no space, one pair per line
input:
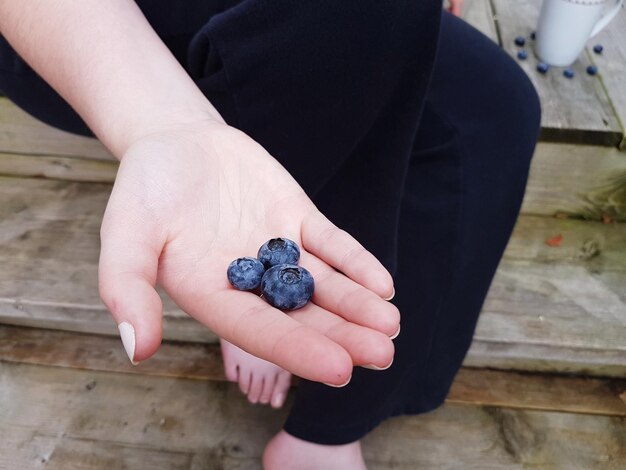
[410,130]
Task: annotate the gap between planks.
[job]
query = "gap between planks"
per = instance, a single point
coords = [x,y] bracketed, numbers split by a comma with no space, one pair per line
[478,387]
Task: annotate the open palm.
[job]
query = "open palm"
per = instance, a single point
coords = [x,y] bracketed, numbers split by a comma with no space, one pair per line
[188,201]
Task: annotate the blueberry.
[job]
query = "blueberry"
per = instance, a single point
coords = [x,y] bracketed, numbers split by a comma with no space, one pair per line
[592,70]
[533,35]
[598,48]
[542,67]
[287,286]
[278,251]
[520,41]
[522,55]
[245,273]
[569,73]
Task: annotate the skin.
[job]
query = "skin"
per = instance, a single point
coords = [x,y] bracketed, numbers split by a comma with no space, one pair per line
[192,194]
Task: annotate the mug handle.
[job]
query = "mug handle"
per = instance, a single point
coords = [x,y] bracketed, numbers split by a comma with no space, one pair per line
[606,18]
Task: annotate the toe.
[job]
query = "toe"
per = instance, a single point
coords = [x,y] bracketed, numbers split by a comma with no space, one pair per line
[256,387]
[244,380]
[279,394]
[268,387]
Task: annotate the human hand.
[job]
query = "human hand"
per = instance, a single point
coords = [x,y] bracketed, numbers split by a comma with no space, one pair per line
[189,200]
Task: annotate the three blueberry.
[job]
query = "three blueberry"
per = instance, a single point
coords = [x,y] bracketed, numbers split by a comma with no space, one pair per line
[283,283]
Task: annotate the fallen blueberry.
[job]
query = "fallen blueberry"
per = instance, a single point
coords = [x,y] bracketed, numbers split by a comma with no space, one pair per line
[278,251]
[522,55]
[542,67]
[533,35]
[520,41]
[592,70]
[569,73]
[598,48]
[245,273]
[287,286]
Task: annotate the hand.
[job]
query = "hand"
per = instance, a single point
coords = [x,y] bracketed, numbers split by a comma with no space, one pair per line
[456,7]
[189,200]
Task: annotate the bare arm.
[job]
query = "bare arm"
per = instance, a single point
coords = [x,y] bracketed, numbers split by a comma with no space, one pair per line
[107,62]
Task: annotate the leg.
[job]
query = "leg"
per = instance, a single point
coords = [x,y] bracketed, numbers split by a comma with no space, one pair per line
[463,191]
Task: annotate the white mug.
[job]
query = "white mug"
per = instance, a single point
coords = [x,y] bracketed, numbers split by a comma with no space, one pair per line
[565,26]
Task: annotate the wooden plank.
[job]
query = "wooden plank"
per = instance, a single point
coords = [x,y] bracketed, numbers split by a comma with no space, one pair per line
[55,167]
[574,111]
[479,14]
[214,419]
[203,362]
[21,133]
[561,307]
[579,180]
[612,65]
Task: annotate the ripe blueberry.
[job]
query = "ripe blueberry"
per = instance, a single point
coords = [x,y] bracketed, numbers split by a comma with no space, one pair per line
[592,70]
[278,251]
[542,67]
[522,55]
[245,273]
[569,73]
[520,41]
[533,35]
[598,48]
[287,286]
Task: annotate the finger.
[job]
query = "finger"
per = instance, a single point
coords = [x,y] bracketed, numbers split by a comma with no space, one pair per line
[129,254]
[340,250]
[264,331]
[365,346]
[341,295]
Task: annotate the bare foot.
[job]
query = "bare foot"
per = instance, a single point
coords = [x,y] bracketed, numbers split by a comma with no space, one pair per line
[287,451]
[262,381]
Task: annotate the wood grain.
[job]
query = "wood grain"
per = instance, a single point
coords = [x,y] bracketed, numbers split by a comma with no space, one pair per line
[612,65]
[21,133]
[479,14]
[563,307]
[203,362]
[212,421]
[574,111]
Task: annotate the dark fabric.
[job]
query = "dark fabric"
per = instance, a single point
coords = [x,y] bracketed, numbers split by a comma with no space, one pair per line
[335,91]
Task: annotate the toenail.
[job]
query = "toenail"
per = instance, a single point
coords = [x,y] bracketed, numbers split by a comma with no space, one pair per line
[339,386]
[277,402]
[373,367]
[395,335]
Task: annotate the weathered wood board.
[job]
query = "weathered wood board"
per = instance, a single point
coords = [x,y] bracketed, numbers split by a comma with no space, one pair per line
[558,306]
[21,133]
[612,65]
[204,362]
[479,14]
[574,111]
[52,416]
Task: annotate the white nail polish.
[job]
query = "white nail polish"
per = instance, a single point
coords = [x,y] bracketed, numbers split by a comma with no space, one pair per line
[339,386]
[393,294]
[373,367]
[127,333]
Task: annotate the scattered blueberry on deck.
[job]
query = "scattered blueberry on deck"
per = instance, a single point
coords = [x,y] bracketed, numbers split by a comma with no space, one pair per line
[522,55]
[533,35]
[542,67]
[598,48]
[569,73]
[520,41]
[592,70]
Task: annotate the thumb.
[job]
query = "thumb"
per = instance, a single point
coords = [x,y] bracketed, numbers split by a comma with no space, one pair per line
[127,272]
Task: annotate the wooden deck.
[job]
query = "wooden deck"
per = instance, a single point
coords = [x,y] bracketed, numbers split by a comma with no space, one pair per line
[544,384]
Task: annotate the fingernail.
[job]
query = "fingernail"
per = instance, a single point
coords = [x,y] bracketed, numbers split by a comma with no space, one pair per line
[373,367]
[339,386]
[393,294]
[127,333]
[277,401]
[395,335]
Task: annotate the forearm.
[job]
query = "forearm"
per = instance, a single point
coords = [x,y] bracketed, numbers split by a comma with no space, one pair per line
[107,62]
